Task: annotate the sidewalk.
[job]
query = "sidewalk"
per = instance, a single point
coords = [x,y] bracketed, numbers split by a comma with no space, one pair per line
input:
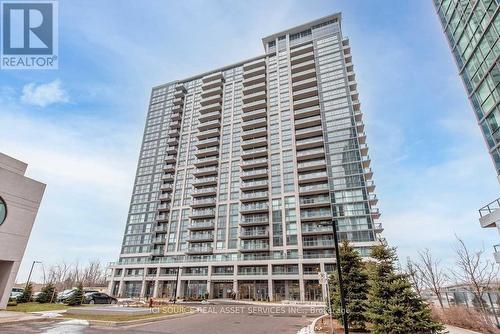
[10,317]
[457,330]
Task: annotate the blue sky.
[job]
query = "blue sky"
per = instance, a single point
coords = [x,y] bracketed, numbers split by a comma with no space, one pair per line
[79,127]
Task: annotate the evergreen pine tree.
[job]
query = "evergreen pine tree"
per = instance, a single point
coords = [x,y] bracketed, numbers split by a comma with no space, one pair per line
[47,294]
[393,306]
[77,297]
[27,294]
[355,285]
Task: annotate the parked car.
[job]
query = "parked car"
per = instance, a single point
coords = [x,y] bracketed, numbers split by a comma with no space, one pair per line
[98,298]
[65,294]
[16,292]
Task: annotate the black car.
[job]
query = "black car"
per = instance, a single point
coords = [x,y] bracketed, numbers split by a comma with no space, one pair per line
[98,298]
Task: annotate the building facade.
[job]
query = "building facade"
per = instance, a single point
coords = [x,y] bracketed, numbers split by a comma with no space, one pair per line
[242,170]
[20,199]
[472,28]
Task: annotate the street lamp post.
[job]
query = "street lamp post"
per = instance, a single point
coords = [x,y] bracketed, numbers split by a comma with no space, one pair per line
[341,280]
[31,271]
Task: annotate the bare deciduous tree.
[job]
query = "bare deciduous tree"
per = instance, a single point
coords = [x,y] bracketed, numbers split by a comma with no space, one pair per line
[414,275]
[432,274]
[474,271]
[65,276]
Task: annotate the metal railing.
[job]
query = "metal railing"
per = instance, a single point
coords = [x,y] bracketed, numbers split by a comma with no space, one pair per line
[490,208]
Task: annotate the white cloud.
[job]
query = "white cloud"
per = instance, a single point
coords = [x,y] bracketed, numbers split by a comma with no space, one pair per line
[44,94]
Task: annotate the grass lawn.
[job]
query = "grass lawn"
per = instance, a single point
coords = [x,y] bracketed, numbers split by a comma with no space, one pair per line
[119,317]
[36,307]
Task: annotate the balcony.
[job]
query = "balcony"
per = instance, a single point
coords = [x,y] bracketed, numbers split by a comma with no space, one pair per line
[200,237]
[254,246]
[363,148]
[199,225]
[206,181]
[370,186]
[167,177]
[254,208]
[308,122]
[164,207]
[173,142]
[176,116]
[205,171]
[311,165]
[177,108]
[255,71]
[254,220]
[258,95]
[178,101]
[254,163]
[362,137]
[171,150]
[162,217]
[161,229]
[169,168]
[304,57]
[321,243]
[303,75]
[310,154]
[254,64]
[208,134]
[204,192]
[255,123]
[256,132]
[250,174]
[314,229]
[166,187]
[175,125]
[254,196]
[213,91]
[194,250]
[365,161]
[378,228]
[173,133]
[170,158]
[203,202]
[253,143]
[158,252]
[209,117]
[159,240]
[309,132]
[375,213]
[307,112]
[316,201]
[206,152]
[305,93]
[496,254]
[218,82]
[490,214]
[202,213]
[254,80]
[261,86]
[315,214]
[165,197]
[303,66]
[254,234]
[253,153]
[211,100]
[251,185]
[209,125]
[254,114]
[208,161]
[309,143]
[210,108]
[311,189]
[367,172]
[294,52]
[258,104]
[313,177]
[372,199]
[306,102]
[207,142]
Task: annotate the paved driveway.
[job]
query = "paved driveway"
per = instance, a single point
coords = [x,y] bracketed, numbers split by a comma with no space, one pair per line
[211,319]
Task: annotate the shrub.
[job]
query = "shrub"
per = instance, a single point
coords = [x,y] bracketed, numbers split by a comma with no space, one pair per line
[464,317]
[27,294]
[47,295]
[77,297]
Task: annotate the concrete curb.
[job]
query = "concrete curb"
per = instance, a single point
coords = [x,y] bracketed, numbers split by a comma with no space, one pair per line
[104,323]
[25,319]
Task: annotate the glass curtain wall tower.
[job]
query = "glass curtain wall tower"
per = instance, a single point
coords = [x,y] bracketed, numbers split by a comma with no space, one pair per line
[473,29]
[242,170]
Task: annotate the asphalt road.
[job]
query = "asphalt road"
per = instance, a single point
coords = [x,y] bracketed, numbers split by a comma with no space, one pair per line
[211,319]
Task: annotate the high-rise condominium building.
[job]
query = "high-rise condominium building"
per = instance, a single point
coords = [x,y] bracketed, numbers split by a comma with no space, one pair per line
[242,170]
[472,28]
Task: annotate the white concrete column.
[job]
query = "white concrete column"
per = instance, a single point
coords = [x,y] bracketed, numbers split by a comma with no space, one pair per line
[155,289]
[302,290]
[235,289]
[270,289]
[179,284]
